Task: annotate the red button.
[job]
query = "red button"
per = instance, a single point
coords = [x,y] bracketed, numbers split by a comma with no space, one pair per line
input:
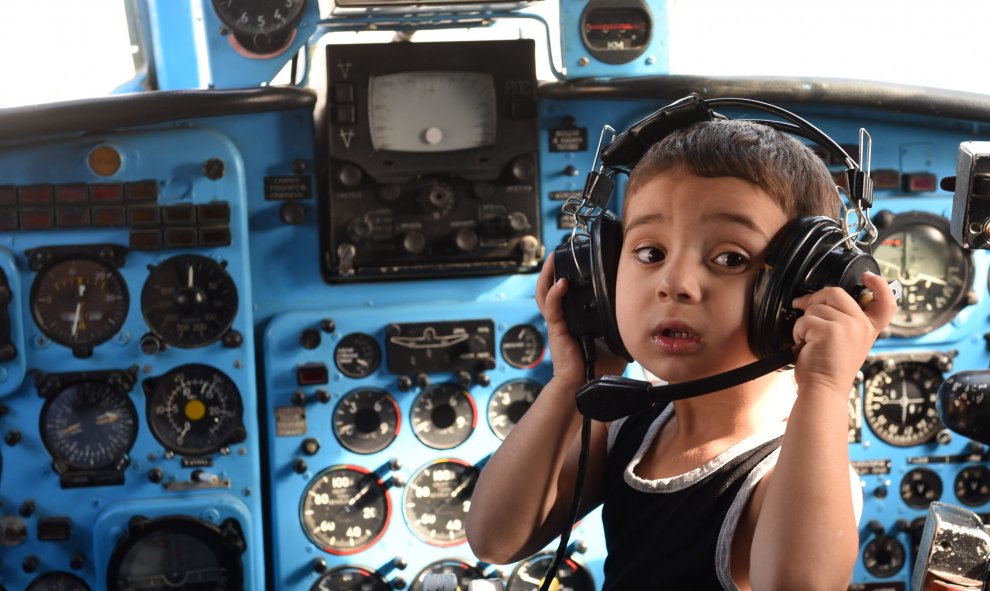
[71,194]
[37,219]
[311,374]
[36,195]
[106,193]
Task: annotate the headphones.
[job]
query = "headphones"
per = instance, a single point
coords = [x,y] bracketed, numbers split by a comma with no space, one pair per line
[806,255]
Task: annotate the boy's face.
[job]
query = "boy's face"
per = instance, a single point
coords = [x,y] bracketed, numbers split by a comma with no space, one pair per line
[690,254]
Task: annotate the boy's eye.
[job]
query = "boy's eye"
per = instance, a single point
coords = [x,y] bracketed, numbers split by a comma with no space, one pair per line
[648,254]
[731,259]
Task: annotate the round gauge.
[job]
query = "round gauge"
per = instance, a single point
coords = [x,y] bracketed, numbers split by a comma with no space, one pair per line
[194,410]
[345,509]
[936,273]
[920,487]
[189,301]
[883,556]
[261,26]
[89,426]
[616,31]
[570,576]
[178,553]
[443,416]
[464,572]
[357,355]
[79,303]
[351,578]
[58,581]
[522,346]
[431,111]
[899,403]
[508,404]
[437,501]
[366,420]
[972,485]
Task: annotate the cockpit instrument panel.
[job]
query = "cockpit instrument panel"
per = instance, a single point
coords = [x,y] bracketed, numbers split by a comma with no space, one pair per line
[433,161]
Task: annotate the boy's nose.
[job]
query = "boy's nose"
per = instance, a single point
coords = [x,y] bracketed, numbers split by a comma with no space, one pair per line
[679,282]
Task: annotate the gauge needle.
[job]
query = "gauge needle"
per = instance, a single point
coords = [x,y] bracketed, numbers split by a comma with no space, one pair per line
[107,418]
[71,429]
[460,487]
[189,276]
[75,318]
[353,500]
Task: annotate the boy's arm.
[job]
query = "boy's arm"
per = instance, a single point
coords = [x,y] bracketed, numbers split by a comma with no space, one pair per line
[525,492]
[806,536]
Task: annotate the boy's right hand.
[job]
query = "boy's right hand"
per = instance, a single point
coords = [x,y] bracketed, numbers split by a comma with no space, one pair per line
[565,350]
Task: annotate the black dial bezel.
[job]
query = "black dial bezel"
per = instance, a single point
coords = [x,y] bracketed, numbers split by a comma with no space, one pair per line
[982,473]
[367,349]
[905,370]
[497,409]
[520,333]
[382,500]
[451,436]
[884,545]
[932,481]
[887,225]
[583,578]
[465,476]
[615,56]
[342,416]
[59,578]
[322,584]
[261,40]
[158,389]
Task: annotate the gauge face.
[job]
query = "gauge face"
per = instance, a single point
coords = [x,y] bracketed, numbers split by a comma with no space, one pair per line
[89,425]
[920,487]
[934,271]
[616,32]
[366,420]
[431,111]
[345,509]
[522,346]
[351,578]
[570,576]
[357,355]
[189,301]
[464,572]
[79,303]
[972,485]
[194,410]
[176,553]
[883,556]
[268,17]
[899,404]
[444,416]
[437,501]
[508,404]
[58,582]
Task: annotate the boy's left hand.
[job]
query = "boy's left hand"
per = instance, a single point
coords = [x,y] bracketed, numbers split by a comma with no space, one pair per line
[834,335]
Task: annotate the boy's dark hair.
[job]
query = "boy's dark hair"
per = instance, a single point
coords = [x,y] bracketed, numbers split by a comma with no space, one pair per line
[774,161]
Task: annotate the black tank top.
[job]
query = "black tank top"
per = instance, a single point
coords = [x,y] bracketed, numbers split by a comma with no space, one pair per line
[666,536]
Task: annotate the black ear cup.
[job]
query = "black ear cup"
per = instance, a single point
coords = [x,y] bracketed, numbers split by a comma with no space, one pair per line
[806,255]
[590,267]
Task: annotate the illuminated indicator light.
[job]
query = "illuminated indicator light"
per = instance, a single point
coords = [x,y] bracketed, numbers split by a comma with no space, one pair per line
[886,179]
[8,196]
[895,242]
[109,193]
[921,182]
[311,374]
[71,194]
[104,161]
[195,410]
[35,195]
[37,220]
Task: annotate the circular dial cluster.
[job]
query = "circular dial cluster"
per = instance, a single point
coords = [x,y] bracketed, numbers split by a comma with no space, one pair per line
[195,410]
[366,420]
[444,416]
[935,272]
[508,403]
[884,556]
[616,31]
[345,509]
[79,302]
[522,346]
[89,426]
[899,402]
[58,581]
[189,301]
[972,485]
[261,26]
[437,501]
[920,487]
[357,355]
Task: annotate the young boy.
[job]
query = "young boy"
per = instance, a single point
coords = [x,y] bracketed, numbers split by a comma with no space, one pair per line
[744,488]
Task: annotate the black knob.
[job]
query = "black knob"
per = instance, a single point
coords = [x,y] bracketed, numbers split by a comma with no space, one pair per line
[77,561]
[875,527]
[523,168]
[422,380]
[232,339]
[399,583]
[323,396]
[477,344]
[466,240]
[571,170]
[483,380]
[13,437]
[30,564]
[880,492]
[310,446]
[437,197]
[310,338]
[464,379]
[327,325]
[360,229]
[299,466]
[214,169]
[405,383]
[299,167]
[27,508]
[299,398]
[320,565]
[349,175]
[151,345]
[155,475]
[414,242]
[292,213]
